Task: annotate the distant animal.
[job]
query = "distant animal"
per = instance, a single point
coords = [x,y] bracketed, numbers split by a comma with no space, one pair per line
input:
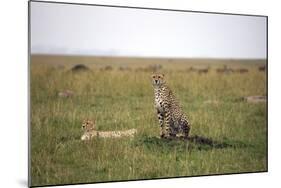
[172,120]
[199,70]
[108,68]
[79,68]
[204,70]
[190,69]
[89,128]
[219,70]
[124,68]
[139,69]
[242,70]
[262,68]
[225,70]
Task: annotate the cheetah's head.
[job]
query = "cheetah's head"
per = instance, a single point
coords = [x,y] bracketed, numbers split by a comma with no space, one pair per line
[157,79]
[88,125]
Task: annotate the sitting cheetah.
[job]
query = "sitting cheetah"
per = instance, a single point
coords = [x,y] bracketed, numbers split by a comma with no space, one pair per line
[173,122]
[89,128]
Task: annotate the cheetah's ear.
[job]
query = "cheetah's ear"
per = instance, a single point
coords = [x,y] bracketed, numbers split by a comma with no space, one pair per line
[163,75]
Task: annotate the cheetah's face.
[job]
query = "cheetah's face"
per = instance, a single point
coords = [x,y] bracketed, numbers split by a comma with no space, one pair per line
[88,125]
[157,79]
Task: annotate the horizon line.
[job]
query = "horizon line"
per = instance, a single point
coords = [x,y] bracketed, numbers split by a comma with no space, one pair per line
[148,57]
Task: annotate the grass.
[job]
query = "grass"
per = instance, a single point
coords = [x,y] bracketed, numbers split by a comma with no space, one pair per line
[121,100]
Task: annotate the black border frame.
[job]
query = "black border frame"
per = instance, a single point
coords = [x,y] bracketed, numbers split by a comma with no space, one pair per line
[145,8]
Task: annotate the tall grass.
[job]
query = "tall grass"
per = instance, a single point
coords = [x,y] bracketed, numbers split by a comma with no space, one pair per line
[120,100]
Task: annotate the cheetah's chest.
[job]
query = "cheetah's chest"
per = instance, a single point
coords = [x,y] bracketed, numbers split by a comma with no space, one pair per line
[159,102]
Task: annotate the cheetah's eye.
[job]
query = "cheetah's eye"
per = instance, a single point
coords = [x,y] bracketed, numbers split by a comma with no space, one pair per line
[153,76]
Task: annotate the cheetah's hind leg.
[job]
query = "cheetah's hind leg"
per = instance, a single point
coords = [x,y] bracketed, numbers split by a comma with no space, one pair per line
[184,129]
[171,129]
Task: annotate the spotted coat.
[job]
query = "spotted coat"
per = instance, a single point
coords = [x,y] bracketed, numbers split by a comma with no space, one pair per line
[172,120]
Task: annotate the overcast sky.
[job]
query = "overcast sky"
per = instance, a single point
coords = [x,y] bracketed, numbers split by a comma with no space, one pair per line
[92,30]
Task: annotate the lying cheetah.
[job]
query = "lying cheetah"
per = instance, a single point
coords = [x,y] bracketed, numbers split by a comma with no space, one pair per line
[89,128]
[173,122]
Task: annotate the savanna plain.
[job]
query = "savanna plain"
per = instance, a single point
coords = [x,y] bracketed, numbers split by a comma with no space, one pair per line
[118,94]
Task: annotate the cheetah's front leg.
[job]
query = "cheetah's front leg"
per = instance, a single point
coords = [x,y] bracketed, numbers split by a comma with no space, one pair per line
[168,133]
[161,122]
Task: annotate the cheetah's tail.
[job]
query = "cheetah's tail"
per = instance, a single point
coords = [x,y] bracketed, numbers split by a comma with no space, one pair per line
[213,143]
[201,140]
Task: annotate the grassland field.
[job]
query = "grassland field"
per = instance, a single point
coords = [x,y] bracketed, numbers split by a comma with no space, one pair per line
[121,100]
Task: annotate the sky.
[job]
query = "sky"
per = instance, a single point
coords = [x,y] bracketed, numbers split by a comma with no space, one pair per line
[109,31]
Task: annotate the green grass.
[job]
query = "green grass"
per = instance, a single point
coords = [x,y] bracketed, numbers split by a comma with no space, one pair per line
[121,100]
